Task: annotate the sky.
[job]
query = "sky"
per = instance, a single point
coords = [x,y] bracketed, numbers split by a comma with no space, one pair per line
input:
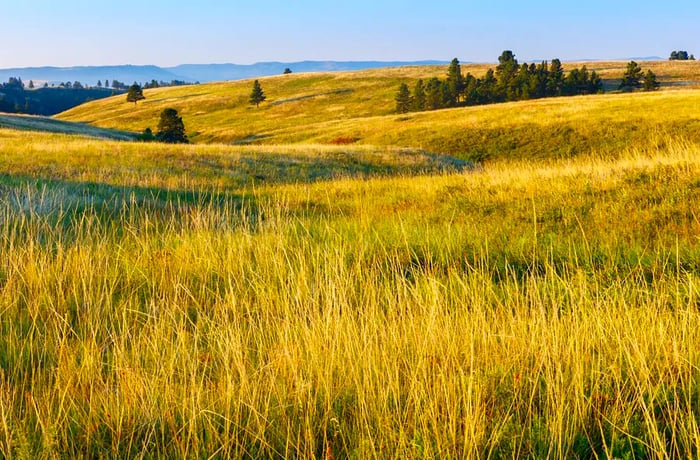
[171,32]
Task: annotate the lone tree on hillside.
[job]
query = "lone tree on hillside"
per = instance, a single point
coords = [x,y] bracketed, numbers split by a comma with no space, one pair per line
[171,129]
[403,99]
[287,71]
[632,76]
[650,82]
[257,95]
[135,94]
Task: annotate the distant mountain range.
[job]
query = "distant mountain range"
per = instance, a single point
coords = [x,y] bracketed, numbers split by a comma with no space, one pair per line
[89,75]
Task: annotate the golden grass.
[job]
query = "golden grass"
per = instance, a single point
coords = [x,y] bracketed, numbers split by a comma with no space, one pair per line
[519,310]
[357,108]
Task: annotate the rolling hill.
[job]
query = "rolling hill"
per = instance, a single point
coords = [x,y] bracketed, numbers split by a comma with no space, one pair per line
[358,107]
[360,300]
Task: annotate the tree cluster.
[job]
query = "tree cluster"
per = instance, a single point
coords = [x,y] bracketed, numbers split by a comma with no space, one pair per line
[165,84]
[15,98]
[634,78]
[681,56]
[511,81]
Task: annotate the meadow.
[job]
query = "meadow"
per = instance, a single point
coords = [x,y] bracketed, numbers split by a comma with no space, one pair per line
[356,301]
[358,108]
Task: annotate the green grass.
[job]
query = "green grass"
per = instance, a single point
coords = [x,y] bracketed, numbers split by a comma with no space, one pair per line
[358,108]
[523,309]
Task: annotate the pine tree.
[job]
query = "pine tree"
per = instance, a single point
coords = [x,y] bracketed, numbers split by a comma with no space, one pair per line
[171,129]
[595,85]
[650,82]
[257,95]
[555,80]
[434,95]
[505,73]
[135,94]
[31,84]
[455,82]
[632,76]
[487,88]
[418,99]
[403,99]
[99,83]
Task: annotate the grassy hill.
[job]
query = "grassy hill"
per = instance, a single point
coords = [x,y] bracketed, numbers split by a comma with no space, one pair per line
[354,301]
[357,107]
[157,303]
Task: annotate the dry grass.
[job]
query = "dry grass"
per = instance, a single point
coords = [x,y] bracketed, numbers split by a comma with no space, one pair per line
[519,310]
[357,107]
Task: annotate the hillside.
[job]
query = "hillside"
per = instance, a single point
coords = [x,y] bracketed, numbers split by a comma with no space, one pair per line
[50,125]
[357,107]
[158,302]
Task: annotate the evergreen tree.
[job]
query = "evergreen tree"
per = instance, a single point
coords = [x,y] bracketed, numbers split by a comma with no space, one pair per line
[287,71]
[135,94]
[631,78]
[31,84]
[521,84]
[470,89]
[403,99]
[455,82]
[486,91]
[171,129]
[434,95]
[505,73]
[595,84]
[418,99]
[99,83]
[555,80]
[257,95]
[650,82]
[538,79]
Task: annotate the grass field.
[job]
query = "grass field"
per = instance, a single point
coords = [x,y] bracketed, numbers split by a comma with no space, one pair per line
[517,310]
[357,108]
[372,300]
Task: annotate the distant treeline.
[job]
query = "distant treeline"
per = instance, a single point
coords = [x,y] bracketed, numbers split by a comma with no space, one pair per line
[16,97]
[510,81]
[681,56]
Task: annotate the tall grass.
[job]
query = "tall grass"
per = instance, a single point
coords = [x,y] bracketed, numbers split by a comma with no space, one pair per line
[520,310]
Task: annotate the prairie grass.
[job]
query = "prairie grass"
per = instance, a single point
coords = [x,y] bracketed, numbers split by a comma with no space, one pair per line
[358,108]
[517,310]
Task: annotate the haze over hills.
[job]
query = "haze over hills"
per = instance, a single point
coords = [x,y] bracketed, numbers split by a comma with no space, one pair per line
[190,72]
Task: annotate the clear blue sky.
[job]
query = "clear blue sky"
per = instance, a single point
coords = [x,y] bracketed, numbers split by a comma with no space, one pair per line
[171,32]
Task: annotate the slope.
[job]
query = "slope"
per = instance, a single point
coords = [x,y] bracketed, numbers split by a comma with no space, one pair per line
[51,125]
[357,107]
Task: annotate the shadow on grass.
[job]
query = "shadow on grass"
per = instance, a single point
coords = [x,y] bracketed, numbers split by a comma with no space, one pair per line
[51,125]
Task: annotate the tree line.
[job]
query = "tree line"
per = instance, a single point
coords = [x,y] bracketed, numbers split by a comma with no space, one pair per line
[681,56]
[16,98]
[510,81]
